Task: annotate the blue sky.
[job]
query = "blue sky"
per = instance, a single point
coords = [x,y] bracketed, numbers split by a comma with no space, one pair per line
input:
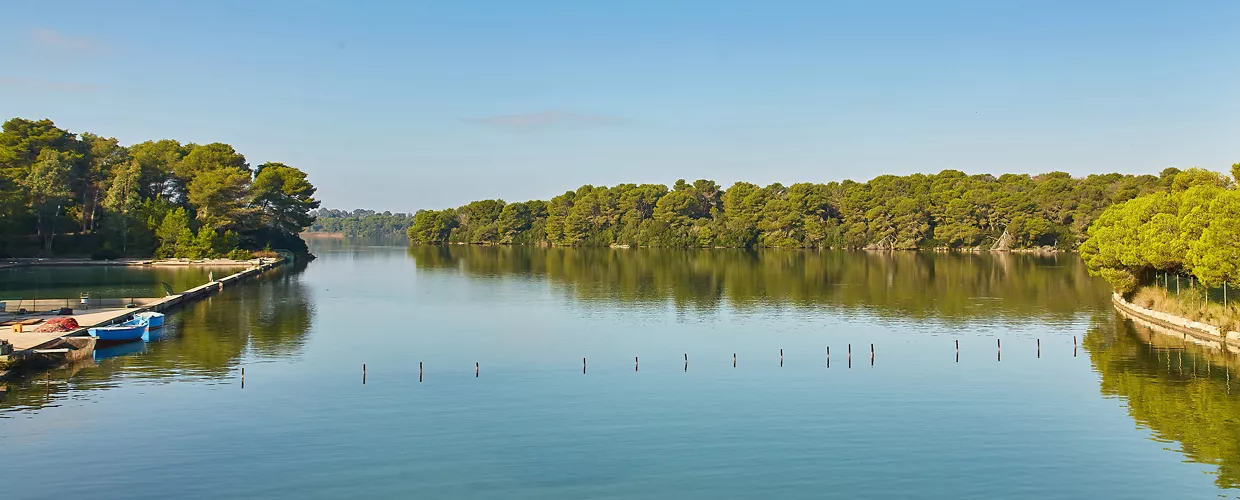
[406,105]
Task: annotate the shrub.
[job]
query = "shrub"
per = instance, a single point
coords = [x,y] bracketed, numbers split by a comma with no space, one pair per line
[240,254]
[1190,303]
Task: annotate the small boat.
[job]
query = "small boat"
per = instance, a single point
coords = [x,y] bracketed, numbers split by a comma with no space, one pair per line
[153,319]
[116,334]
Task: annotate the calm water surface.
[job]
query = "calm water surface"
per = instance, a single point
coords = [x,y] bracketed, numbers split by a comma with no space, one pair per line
[1124,415]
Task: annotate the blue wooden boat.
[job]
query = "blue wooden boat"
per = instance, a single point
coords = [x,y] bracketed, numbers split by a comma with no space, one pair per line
[121,333]
[153,319]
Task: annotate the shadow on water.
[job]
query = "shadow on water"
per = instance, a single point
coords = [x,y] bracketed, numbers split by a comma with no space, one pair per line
[947,287]
[1179,390]
[126,349]
[268,317]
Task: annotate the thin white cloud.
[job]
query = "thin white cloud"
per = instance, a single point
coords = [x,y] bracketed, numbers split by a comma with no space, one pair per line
[52,40]
[543,120]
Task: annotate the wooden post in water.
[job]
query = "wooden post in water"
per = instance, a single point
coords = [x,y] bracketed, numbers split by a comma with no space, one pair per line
[1039,348]
[828,356]
[733,360]
[998,351]
[781,358]
[850,355]
[475,369]
[243,377]
[419,371]
[634,363]
[583,366]
[363,373]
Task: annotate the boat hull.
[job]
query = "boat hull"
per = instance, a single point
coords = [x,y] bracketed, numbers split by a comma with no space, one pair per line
[118,334]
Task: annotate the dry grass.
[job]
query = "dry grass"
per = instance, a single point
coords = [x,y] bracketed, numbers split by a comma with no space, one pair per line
[1191,304]
[265,254]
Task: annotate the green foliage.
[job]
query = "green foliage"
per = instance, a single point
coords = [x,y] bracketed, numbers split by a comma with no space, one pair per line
[1192,229]
[1215,257]
[174,234]
[220,195]
[364,223]
[433,227]
[240,254]
[284,197]
[53,181]
[945,210]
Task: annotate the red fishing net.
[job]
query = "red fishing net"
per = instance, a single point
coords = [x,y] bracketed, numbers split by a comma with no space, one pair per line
[58,325]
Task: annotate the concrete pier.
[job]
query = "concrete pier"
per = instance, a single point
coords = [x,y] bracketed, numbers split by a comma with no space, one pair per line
[28,340]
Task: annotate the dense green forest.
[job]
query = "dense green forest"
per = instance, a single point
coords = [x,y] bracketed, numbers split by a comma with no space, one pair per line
[364,223]
[945,210]
[1191,229]
[65,193]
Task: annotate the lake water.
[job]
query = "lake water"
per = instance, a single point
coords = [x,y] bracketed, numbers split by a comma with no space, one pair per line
[1123,415]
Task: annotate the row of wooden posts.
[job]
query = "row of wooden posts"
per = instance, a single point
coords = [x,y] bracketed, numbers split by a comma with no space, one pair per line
[637,361]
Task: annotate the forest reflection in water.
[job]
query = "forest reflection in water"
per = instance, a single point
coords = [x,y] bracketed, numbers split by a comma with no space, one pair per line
[1178,389]
[1181,393]
[947,287]
[268,317]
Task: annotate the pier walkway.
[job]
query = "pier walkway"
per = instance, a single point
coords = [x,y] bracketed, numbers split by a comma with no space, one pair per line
[86,319]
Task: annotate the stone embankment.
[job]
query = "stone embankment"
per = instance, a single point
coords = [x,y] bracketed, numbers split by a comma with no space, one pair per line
[1175,323]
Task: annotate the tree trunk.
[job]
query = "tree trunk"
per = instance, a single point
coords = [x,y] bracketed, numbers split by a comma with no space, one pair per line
[94,210]
[85,212]
[49,234]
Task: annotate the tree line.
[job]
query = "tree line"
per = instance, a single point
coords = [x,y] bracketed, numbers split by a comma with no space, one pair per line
[359,222]
[1193,228]
[946,210]
[68,193]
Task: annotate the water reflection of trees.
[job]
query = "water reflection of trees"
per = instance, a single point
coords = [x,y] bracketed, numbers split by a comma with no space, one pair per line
[906,284]
[266,317]
[1181,392]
